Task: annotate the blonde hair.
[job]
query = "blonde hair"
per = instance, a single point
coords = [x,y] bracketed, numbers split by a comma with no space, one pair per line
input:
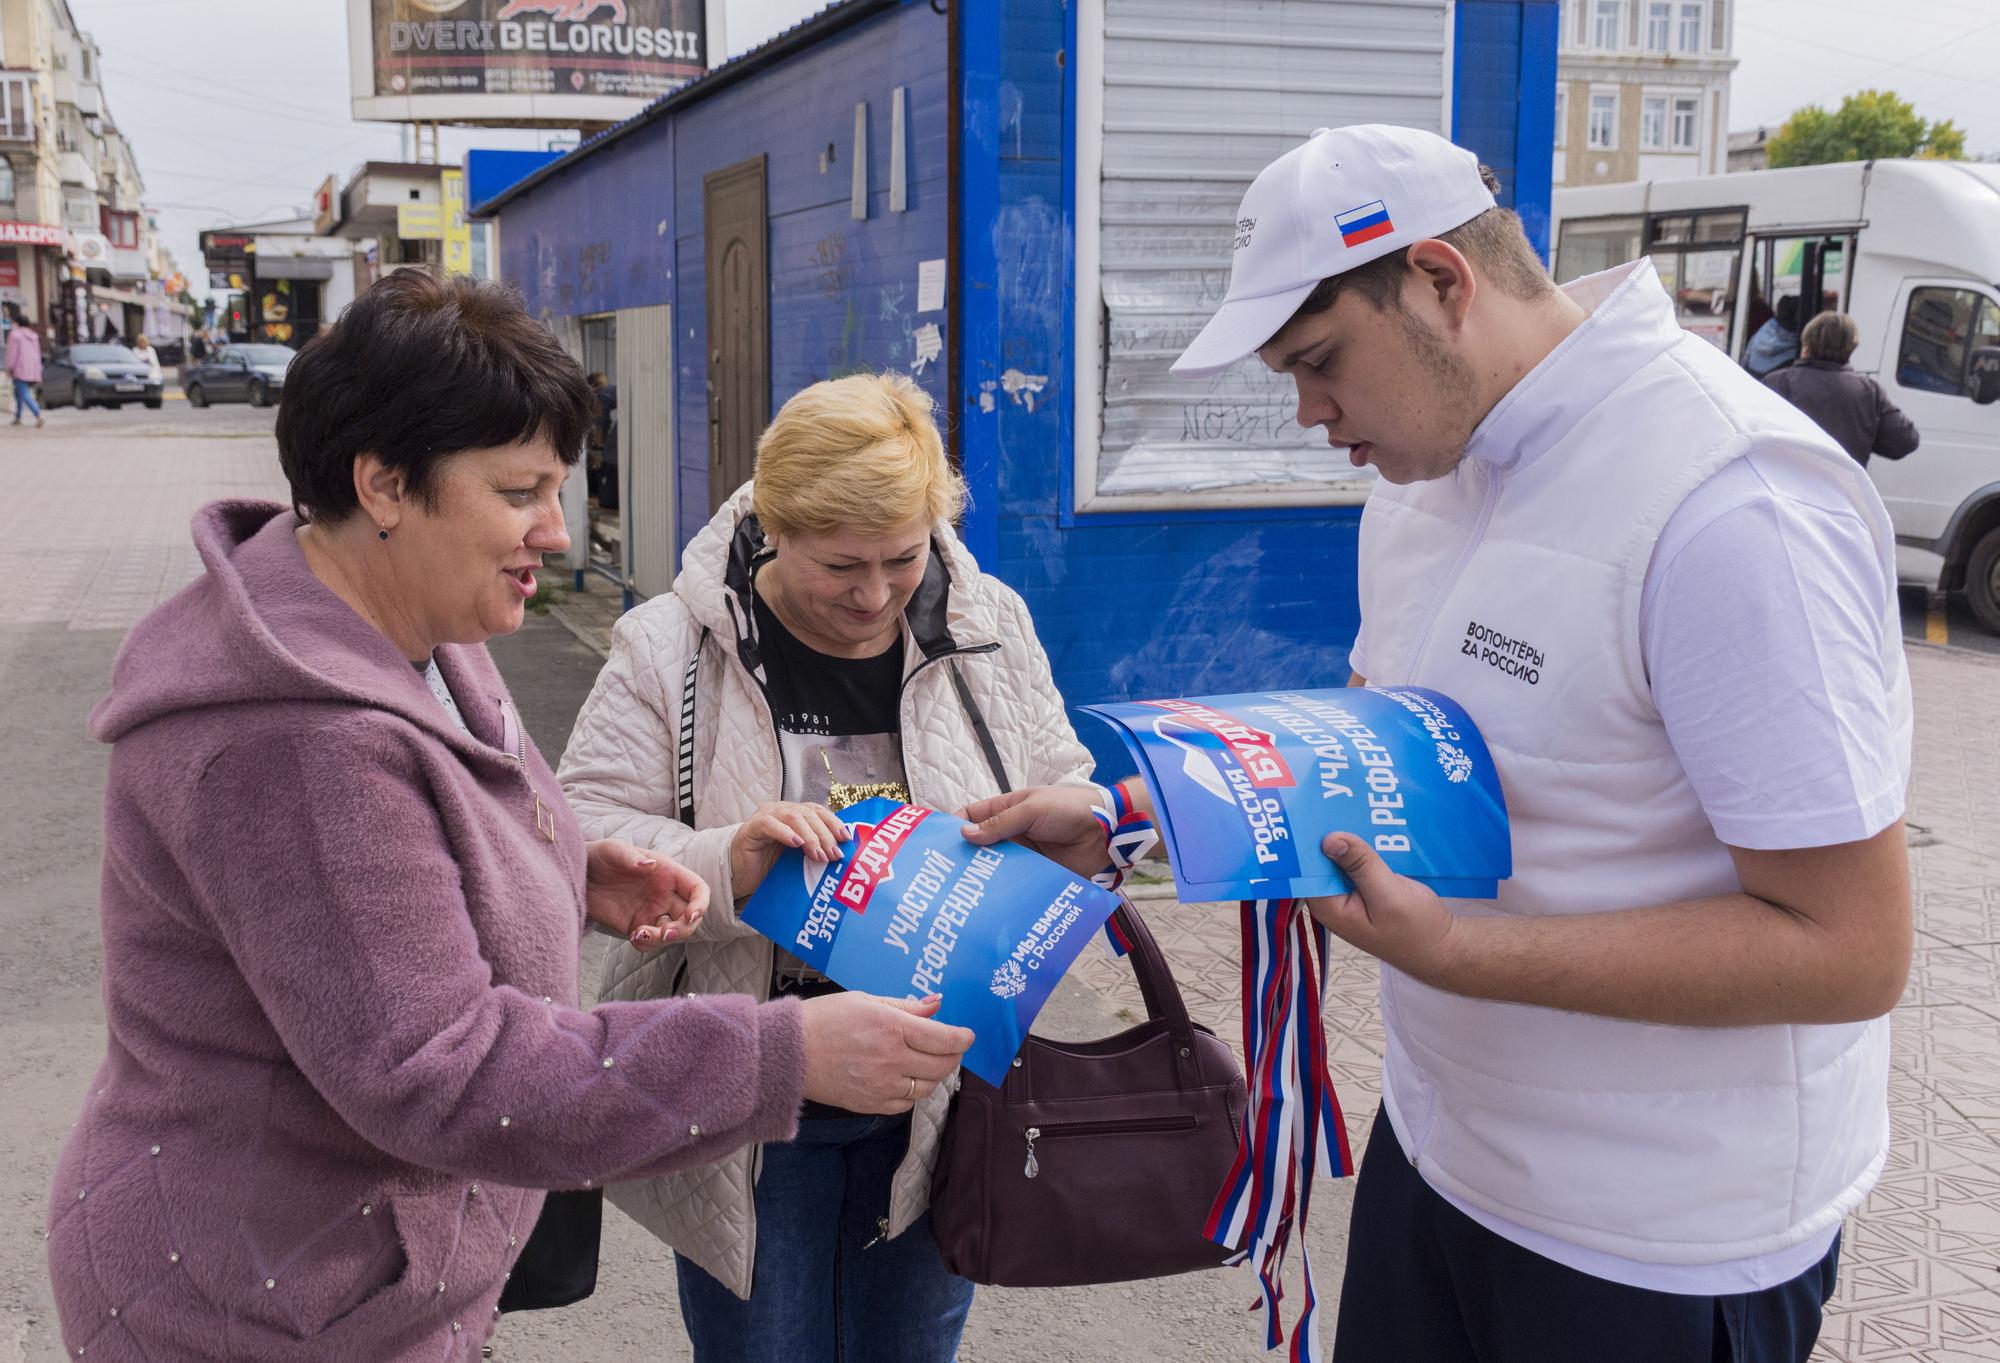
[860,453]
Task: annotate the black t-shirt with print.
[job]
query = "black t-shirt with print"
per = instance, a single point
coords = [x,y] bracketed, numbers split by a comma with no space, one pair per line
[839,728]
[837,717]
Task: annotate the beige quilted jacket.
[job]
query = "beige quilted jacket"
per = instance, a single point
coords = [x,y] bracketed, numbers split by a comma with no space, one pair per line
[619,773]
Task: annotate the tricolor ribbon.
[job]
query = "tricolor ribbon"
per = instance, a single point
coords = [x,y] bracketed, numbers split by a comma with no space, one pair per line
[1128,836]
[1292,1127]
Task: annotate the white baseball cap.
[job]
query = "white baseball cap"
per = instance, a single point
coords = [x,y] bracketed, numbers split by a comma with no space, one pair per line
[1349,196]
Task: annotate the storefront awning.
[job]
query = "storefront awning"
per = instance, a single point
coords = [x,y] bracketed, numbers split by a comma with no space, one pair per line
[292,267]
[140,300]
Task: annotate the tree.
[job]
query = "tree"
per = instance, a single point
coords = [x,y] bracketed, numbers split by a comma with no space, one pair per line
[1869,124]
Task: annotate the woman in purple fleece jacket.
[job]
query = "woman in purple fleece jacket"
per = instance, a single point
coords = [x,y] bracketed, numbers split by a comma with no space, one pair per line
[343,897]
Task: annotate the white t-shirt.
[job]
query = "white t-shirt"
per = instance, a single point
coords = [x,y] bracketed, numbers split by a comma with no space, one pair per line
[1761,623]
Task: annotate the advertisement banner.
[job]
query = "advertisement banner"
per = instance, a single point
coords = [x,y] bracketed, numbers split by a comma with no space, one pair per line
[420,221]
[457,233]
[911,908]
[630,49]
[1247,787]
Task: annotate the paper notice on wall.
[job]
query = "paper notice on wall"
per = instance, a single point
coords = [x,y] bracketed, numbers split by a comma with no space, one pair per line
[930,345]
[930,285]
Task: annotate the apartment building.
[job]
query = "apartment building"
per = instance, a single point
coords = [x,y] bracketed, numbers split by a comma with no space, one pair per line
[78,249]
[1642,89]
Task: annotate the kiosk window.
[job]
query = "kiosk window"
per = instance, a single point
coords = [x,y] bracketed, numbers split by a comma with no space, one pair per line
[1940,330]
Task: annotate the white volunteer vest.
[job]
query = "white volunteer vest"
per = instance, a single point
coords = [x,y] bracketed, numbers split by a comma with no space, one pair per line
[1514,586]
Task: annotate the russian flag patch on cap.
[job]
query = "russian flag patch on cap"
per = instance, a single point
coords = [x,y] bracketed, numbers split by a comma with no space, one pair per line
[1365,223]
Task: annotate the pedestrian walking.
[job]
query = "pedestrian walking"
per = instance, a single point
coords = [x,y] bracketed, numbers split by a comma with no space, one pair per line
[828,606]
[1626,1107]
[345,1050]
[142,347]
[24,364]
[1850,407]
[198,345]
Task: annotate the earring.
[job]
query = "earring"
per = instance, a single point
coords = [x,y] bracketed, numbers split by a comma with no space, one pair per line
[381,534]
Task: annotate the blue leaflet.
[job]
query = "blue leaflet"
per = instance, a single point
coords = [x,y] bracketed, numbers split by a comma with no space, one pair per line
[912,908]
[1248,786]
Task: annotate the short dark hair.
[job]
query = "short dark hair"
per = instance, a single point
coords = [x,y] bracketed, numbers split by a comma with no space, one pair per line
[1830,336]
[1494,241]
[421,367]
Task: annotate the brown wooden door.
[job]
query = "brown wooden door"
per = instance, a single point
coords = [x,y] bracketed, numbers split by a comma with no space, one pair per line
[736,237]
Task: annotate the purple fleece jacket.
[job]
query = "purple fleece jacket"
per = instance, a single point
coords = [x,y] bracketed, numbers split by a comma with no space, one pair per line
[340,977]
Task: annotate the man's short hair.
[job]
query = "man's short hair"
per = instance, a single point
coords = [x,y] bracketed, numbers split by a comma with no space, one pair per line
[423,366]
[1494,242]
[1830,336]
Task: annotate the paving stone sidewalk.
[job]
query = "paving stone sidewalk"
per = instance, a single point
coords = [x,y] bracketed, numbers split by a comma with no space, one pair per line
[1920,1263]
[96,533]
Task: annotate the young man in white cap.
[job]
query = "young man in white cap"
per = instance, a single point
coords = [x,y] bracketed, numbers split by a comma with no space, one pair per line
[1626,1106]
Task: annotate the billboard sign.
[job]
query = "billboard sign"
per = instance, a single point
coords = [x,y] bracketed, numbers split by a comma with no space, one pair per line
[551,62]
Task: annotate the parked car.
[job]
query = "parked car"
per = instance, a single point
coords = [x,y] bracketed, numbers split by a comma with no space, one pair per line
[238,373]
[98,376]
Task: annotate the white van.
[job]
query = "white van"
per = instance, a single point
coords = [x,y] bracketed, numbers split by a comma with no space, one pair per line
[1911,249]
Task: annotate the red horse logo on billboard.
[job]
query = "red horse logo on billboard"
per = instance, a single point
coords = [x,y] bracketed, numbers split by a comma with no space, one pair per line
[574,11]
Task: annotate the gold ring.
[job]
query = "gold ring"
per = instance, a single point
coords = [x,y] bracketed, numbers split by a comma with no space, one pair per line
[911,1096]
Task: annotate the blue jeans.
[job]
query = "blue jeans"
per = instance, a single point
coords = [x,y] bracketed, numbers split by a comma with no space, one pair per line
[823,1293]
[24,396]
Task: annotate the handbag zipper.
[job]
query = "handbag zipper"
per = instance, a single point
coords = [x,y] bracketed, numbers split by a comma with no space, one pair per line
[1135,1125]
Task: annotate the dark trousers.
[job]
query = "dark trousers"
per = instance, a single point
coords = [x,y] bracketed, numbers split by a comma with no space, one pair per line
[1426,1283]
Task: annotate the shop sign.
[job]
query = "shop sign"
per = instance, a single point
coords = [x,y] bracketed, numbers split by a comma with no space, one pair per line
[457,232]
[325,198]
[420,222]
[31,234]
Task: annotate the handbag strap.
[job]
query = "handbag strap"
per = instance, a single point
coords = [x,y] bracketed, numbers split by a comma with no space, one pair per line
[684,769]
[1157,986]
[980,730]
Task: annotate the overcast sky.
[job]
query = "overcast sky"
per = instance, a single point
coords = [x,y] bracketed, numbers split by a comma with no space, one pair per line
[238,108]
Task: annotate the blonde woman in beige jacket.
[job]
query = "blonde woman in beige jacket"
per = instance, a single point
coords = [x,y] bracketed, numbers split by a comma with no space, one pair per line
[843,644]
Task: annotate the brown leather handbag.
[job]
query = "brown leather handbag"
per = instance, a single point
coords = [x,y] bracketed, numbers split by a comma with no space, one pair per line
[1096,1161]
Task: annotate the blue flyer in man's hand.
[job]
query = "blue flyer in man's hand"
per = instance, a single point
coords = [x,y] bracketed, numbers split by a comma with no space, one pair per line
[1247,787]
[912,908]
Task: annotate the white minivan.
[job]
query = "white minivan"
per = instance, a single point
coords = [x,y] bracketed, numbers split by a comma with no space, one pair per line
[1911,249]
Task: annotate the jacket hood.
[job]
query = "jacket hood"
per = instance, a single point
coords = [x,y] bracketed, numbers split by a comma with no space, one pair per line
[719,563]
[258,626]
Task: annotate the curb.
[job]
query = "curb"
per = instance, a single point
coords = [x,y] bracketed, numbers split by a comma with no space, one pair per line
[583,635]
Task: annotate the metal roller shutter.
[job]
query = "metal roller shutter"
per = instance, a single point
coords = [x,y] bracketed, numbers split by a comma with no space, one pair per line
[1197,98]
